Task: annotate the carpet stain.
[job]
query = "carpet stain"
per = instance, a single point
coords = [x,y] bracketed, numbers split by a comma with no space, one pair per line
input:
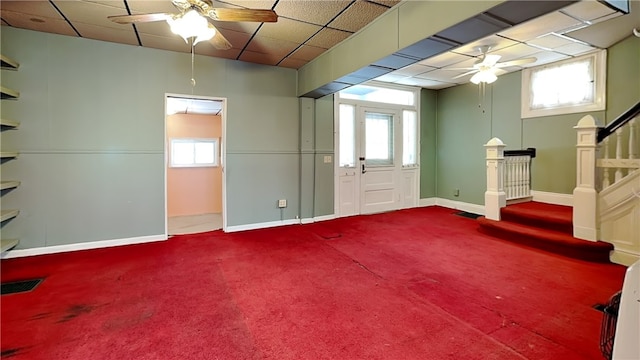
[74,311]
[10,352]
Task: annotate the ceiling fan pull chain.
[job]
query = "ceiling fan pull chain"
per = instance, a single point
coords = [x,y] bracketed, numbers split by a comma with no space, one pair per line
[193,78]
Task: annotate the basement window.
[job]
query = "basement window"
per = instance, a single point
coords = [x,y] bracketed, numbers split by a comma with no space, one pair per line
[194,152]
[565,87]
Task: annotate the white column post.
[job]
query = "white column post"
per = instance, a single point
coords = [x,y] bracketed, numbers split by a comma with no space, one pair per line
[495,197]
[585,196]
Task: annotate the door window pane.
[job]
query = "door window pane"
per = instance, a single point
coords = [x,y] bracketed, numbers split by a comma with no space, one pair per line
[409,138]
[347,135]
[378,139]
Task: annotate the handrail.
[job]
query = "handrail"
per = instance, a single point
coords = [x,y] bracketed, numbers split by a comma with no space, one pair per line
[624,118]
[528,151]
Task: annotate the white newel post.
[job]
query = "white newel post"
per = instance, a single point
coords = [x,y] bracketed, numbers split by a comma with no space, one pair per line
[585,197]
[495,197]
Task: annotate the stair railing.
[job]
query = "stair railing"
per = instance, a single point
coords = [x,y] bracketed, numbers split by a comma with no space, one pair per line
[617,143]
[517,173]
[508,176]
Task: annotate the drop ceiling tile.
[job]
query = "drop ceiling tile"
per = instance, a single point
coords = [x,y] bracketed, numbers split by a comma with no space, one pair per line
[290,30]
[90,13]
[245,27]
[389,3]
[148,6]
[38,8]
[444,59]
[127,36]
[318,12]
[237,39]
[413,70]
[158,28]
[574,49]
[357,16]
[545,57]
[545,24]
[292,63]
[494,41]
[327,38]
[391,77]
[444,75]
[588,10]
[260,58]
[279,48]
[515,52]
[550,41]
[307,53]
[425,83]
[37,23]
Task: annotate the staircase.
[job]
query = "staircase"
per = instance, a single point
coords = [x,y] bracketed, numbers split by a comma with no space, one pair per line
[544,226]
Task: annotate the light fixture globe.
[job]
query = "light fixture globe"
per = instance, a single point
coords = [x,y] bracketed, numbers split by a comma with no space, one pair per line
[191,25]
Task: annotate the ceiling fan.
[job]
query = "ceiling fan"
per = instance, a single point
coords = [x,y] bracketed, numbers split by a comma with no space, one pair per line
[487,69]
[193,20]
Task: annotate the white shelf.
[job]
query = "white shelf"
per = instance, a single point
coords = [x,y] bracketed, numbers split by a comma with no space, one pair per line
[4,185]
[8,63]
[7,93]
[9,123]
[8,214]
[8,244]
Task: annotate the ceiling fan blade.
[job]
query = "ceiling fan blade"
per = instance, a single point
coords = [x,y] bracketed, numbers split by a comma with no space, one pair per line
[490,59]
[517,62]
[142,18]
[255,15]
[465,74]
[219,41]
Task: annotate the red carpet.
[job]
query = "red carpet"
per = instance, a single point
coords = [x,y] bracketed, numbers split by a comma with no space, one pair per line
[544,226]
[412,284]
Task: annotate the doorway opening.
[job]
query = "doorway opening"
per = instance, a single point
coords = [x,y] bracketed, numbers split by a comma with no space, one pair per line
[195,197]
[377,142]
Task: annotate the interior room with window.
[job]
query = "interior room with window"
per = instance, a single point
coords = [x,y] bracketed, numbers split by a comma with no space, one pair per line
[369,179]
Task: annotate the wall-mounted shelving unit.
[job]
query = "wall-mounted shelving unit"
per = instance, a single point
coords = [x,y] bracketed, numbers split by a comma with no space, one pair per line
[6,186]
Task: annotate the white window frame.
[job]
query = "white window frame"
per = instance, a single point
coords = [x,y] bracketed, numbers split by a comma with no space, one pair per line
[599,61]
[216,152]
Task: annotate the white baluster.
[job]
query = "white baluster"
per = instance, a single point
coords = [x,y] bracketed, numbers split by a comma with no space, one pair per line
[605,170]
[633,147]
[618,174]
[527,176]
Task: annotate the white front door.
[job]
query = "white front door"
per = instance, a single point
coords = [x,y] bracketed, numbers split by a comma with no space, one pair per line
[379,160]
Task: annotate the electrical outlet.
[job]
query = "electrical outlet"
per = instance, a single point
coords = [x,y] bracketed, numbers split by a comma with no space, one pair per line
[282,203]
[327,159]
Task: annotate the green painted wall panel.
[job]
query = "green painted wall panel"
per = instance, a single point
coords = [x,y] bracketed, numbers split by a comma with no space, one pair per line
[428,142]
[307,158]
[104,103]
[324,172]
[623,77]
[463,129]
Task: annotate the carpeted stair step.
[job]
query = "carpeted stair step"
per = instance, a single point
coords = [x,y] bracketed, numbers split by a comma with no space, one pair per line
[545,216]
[548,240]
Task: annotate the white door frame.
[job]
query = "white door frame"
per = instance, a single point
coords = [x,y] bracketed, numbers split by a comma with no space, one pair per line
[223,155]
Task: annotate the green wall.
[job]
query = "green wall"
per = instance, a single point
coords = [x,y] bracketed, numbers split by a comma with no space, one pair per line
[463,127]
[92,137]
[428,142]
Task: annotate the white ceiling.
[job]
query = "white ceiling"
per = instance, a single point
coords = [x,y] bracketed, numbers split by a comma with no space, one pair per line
[180,105]
[576,30]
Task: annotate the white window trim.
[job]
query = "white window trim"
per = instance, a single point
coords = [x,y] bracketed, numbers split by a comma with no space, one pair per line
[599,103]
[216,152]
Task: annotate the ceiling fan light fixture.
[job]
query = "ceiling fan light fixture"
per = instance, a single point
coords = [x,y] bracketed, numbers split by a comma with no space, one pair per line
[484,76]
[191,25]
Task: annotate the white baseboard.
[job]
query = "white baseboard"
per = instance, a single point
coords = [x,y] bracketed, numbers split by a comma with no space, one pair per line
[263,225]
[427,202]
[459,205]
[81,246]
[623,257]
[552,198]
[317,219]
